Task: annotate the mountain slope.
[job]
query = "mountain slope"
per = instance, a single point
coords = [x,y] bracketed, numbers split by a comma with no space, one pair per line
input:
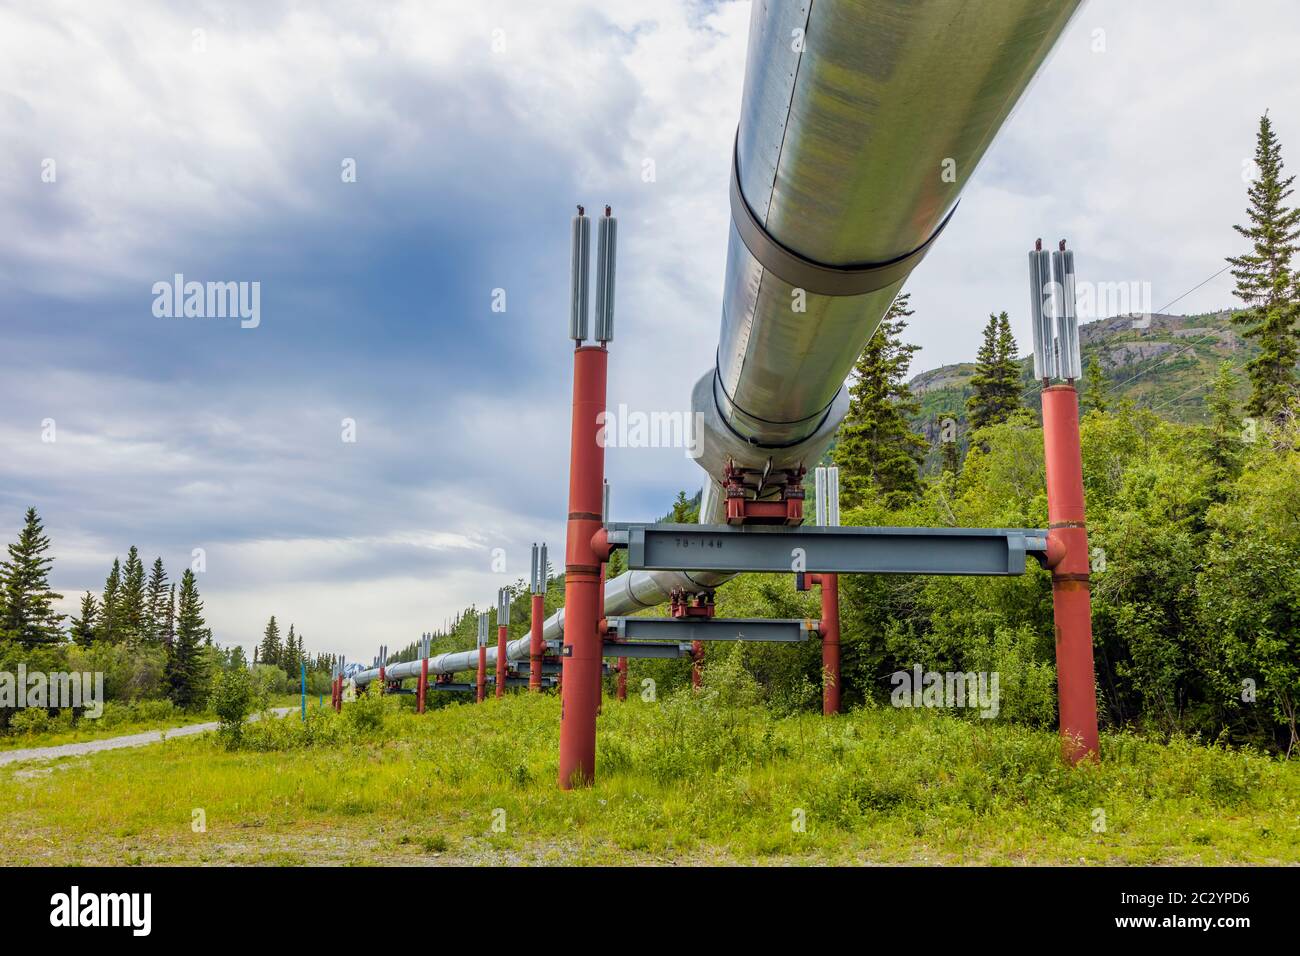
[1165,363]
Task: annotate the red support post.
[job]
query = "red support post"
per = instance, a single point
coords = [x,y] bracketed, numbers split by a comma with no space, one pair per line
[481,685]
[535,645]
[502,633]
[697,663]
[830,632]
[1068,558]
[423,689]
[582,640]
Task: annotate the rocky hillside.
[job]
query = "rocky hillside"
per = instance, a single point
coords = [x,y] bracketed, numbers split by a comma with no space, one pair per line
[1165,363]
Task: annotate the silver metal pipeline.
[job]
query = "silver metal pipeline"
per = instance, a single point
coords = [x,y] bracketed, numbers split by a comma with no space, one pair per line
[860,124]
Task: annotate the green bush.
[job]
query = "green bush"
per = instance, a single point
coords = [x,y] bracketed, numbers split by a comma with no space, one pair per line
[268,681]
[30,721]
[275,733]
[232,699]
[367,713]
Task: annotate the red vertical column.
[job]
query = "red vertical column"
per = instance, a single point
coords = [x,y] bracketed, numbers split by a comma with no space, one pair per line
[582,642]
[697,663]
[502,633]
[424,685]
[535,645]
[830,630]
[481,686]
[1076,685]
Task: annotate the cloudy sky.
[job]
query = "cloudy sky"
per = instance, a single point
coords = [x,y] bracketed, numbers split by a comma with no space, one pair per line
[214,139]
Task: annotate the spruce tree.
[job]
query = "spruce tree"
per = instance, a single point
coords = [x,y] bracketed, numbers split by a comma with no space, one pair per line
[1223,446]
[1266,283]
[155,602]
[271,642]
[132,601]
[997,375]
[28,612]
[1094,392]
[185,664]
[289,655]
[685,510]
[110,615]
[878,452]
[84,625]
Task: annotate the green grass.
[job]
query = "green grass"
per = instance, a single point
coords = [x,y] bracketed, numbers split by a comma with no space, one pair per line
[690,779]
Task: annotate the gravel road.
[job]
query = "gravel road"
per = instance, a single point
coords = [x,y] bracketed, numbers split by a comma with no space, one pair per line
[114,743]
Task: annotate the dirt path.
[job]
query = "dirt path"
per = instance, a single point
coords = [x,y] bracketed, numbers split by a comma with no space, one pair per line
[114,743]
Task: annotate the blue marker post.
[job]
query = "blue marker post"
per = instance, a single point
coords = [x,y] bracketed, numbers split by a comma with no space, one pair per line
[304,691]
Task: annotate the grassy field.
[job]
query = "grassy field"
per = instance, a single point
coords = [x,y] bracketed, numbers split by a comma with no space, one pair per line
[695,778]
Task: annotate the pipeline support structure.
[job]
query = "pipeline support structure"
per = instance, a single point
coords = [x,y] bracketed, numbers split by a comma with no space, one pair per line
[835,197]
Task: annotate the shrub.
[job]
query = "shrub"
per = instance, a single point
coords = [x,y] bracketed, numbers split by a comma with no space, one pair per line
[30,720]
[273,733]
[268,680]
[232,698]
[366,714]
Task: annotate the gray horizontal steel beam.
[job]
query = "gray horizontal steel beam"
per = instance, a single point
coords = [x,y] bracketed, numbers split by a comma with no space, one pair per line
[547,682]
[548,667]
[689,629]
[659,650]
[510,681]
[695,548]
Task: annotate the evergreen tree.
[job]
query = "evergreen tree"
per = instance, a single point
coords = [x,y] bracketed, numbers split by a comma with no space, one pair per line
[878,452]
[185,663]
[271,646]
[110,615]
[155,601]
[1223,442]
[289,655]
[26,601]
[997,375]
[132,601]
[1094,394]
[685,510]
[1265,282]
[84,626]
